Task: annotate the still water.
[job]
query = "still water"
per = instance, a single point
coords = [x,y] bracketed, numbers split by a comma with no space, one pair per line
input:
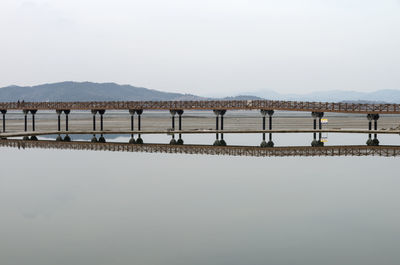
[83,207]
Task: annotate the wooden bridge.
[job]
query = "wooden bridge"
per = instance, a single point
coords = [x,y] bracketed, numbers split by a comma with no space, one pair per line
[266,107]
[168,132]
[208,105]
[386,151]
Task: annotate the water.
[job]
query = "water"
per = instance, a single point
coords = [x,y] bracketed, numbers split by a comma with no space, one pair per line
[84,207]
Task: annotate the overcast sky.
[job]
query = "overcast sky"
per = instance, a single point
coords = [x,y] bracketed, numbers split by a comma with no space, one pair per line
[206,47]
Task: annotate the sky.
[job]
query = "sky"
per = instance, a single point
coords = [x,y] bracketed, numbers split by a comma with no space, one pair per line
[207,47]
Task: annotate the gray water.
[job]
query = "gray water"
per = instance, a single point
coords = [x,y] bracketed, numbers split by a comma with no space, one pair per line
[82,207]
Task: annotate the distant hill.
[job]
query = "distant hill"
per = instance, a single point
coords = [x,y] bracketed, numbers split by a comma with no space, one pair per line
[88,91]
[242,97]
[380,96]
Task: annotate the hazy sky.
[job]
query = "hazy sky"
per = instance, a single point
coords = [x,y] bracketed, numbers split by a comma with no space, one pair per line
[204,47]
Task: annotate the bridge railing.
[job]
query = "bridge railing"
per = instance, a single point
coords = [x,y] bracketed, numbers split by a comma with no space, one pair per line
[209,105]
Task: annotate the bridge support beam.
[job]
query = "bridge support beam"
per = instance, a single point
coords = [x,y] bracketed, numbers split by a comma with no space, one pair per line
[33,112]
[101,112]
[376,118]
[59,112]
[180,113]
[222,141]
[66,112]
[264,113]
[25,119]
[373,117]
[4,111]
[316,115]
[270,142]
[216,112]
[370,118]
[139,112]
[94,112]
[219,113]
[173,113]
[132,113]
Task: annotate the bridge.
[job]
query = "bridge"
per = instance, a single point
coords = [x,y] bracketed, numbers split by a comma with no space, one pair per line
[209,105]
[266,107]
[168,132]
[386,151]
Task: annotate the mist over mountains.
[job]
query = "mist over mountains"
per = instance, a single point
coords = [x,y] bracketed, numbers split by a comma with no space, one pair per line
[88,91]
[380,96]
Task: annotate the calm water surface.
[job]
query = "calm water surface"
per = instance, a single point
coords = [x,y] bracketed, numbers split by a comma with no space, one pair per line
[80,207]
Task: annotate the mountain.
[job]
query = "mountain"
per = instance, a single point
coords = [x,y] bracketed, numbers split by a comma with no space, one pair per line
[88,91]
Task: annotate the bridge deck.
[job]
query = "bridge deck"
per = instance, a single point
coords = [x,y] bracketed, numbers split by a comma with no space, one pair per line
[208,105]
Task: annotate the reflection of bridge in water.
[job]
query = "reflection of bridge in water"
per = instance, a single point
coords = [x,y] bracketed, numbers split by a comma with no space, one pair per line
[292,151]
[219,107]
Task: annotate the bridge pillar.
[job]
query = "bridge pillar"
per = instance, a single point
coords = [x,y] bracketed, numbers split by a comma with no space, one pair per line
[173,113]
[216,112]
[33,112]
[270,142]
[222,141]
[132,113]
[369,117]
[263,114]
[94,112]
[180,113]
[59,112]
[270,113]
[375,118]
[321,114]
[4,111]
[219,113]
[101,112]
[139,112]
[316,115]
[66,112]
[25,119]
